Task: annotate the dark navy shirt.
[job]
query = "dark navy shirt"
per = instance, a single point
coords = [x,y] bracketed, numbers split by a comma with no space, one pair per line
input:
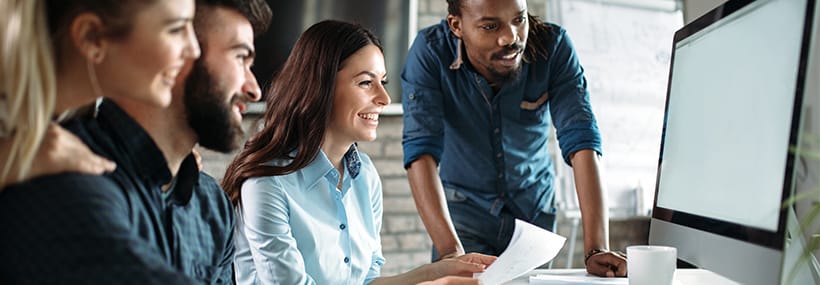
[119,228]
[492,146]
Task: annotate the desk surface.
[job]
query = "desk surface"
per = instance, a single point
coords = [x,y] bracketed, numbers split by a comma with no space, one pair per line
[682,276]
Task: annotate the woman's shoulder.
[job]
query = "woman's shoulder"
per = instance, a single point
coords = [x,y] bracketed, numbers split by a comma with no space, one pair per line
[273,182]
[263,181]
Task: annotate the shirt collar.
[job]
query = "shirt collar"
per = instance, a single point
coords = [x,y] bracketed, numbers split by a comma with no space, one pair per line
[136,150]
[187,181]
[352,161]
[320,166]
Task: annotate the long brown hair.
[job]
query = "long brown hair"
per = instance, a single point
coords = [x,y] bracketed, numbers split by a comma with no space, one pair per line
[298,104]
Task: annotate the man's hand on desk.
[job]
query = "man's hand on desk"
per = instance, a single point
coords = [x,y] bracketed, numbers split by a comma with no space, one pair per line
[607,264]
[453,280]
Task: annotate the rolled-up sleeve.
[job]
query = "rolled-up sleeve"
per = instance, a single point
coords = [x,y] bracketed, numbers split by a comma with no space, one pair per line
[570,107]
[422,103]
[276,258]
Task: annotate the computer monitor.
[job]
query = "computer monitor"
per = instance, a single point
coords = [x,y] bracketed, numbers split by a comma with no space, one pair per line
[732,111]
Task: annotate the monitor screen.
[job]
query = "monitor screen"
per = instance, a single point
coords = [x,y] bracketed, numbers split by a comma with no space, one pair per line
[732,112]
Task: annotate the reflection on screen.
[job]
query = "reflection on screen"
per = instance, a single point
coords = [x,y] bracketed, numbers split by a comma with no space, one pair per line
[729,117]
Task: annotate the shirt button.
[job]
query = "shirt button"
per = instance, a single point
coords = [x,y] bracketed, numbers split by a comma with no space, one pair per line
[501,175]
[347,259]
[497,130]
[342,226]
[412,96]
[498,155]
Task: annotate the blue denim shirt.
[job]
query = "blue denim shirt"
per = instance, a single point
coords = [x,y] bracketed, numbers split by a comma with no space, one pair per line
[299,228]
[492,147]
[118,228]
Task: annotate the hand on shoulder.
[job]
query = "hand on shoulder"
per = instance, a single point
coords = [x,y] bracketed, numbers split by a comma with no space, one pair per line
[61,151]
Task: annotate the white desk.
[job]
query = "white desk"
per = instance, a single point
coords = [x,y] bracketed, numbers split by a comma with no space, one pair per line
[682,276]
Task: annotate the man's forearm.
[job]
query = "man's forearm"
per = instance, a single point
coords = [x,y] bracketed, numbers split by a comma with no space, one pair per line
[591,199]
[430,201]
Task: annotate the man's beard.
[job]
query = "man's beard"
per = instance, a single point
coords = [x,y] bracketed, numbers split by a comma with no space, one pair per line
[208,114]
[501,77]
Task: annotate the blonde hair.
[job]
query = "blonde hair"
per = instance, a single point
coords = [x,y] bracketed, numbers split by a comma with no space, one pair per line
[27,83]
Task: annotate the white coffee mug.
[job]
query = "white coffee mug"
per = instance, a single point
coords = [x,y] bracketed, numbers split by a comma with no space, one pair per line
[651,264]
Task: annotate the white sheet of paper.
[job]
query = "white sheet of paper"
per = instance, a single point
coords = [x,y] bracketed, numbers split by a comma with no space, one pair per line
[529,248]
[547,279]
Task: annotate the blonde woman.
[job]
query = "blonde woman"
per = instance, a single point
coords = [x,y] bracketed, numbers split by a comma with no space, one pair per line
[86,229]
[58,55]
[30,143]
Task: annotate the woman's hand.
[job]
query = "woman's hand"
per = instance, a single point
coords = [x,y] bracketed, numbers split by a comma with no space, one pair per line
[453,280]
[61,151]
[464,265]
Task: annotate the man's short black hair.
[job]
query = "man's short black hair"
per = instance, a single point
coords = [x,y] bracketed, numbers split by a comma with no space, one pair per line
[454,7]
[256,11]
[536,45]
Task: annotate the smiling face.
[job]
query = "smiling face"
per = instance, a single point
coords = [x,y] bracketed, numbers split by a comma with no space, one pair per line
[221,83]
[144,64]
[359,97]
[494,35]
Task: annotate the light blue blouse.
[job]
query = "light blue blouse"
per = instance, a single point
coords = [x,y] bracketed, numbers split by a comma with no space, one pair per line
[300,228]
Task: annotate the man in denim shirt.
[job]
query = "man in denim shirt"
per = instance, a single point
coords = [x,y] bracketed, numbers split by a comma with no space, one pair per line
[479,92]
[156,219]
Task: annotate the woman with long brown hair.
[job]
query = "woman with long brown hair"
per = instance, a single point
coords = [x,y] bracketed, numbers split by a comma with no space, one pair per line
[309,204]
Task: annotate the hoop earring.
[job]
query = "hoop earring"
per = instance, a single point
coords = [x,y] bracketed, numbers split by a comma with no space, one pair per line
[457,63]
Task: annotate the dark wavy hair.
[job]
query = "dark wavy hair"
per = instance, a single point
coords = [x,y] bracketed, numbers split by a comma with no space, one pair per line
[298,104]
[257,12]
[537,39]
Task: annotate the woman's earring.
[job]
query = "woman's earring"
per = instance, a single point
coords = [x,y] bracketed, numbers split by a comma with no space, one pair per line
[96,57]
[92,74]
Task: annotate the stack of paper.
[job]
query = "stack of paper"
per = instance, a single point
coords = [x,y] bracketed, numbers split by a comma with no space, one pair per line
[544,279]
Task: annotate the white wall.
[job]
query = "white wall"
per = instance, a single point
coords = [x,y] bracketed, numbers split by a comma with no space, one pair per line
[625,51]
